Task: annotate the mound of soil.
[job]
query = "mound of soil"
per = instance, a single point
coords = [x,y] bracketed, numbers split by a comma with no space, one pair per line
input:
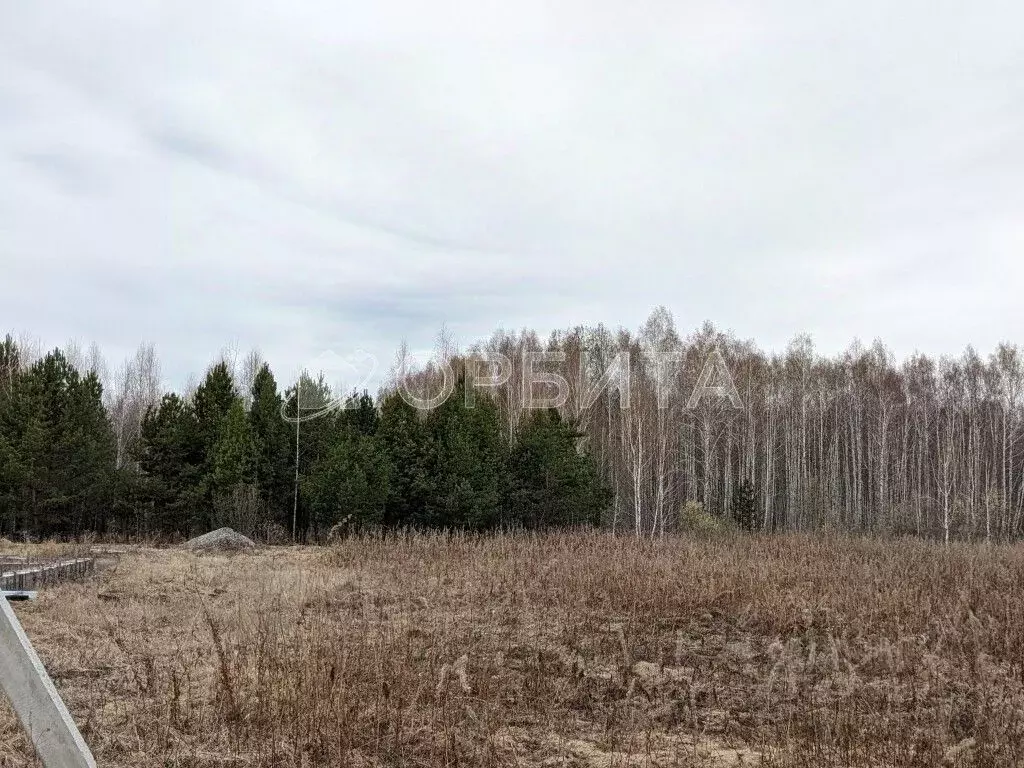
[221,540]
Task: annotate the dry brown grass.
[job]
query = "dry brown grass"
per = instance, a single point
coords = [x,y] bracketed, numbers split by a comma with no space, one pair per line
[564,650]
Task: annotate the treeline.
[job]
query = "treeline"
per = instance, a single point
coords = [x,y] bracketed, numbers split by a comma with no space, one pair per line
[856,442]
[245,455]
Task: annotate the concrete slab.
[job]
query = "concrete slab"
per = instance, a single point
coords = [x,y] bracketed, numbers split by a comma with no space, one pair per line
[36,702]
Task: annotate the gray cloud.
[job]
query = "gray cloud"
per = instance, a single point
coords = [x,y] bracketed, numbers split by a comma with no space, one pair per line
[306,178]
[63,169]
[186,147]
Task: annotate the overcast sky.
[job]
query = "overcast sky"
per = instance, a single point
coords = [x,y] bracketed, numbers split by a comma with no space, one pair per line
[332,176]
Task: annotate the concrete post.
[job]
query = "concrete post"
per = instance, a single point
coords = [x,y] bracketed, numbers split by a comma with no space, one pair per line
[38,705]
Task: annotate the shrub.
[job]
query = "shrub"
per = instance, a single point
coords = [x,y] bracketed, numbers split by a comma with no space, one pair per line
[694,518]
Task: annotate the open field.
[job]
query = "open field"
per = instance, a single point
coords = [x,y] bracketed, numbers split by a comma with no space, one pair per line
[564,650]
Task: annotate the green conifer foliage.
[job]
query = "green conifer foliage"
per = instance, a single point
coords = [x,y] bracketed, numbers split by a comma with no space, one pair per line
[553,484]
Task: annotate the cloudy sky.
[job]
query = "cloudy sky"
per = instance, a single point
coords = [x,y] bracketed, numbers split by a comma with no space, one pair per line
[325,175]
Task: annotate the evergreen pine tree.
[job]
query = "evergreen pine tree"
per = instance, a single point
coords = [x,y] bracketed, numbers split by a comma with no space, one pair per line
[10,366]
[211,404]
[11,481]
[406,446]
[360,413]
[234,455]
[11,470]
[171,457]
[275,452]
[92,451]
[40,403]
[314,436]
[469,464]
[236,499]
[552,483]
[349,484]
[56,448]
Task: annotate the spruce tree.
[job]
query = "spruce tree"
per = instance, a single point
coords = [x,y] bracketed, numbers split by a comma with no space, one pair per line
[744,506]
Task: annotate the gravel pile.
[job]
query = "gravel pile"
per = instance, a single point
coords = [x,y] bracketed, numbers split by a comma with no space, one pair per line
[221,540]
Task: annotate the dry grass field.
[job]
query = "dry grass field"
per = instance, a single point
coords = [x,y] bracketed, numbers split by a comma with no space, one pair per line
[562,650]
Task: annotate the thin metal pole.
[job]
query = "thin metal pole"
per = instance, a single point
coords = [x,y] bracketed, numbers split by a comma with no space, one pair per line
[298,421]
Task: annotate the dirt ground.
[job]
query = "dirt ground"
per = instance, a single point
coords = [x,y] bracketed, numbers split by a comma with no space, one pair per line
[563,650]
